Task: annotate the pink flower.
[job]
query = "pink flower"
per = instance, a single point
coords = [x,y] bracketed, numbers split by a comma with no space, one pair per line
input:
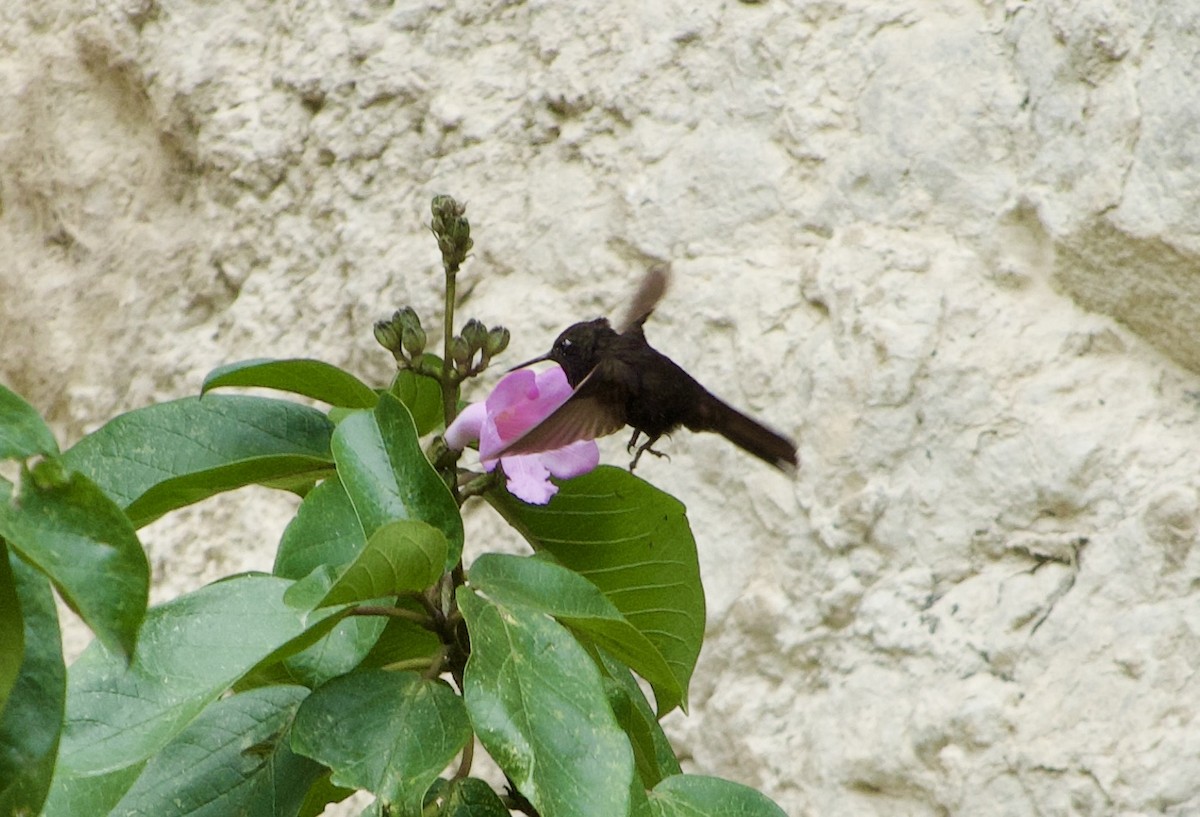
[521,400]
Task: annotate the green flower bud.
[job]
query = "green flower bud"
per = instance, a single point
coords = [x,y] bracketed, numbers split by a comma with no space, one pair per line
[460,353]
[388,335]
[407,318]
[446,208]
[475,334]
[452,230]
[413,338]
[497,341]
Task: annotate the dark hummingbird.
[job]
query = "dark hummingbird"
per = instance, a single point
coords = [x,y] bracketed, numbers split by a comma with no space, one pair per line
[619,380]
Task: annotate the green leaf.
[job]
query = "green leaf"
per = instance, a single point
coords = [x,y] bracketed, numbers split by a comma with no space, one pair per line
[340,650]
[12,628]
[31,719]
[691,795]
[401,555]
[311,378]
[537,703]
[472,797]
[23,434]
[579,604]
[66,527]
[632,541]
[321,794]
[324,531]
[234,758]
[89,795]
[191,650]
[337,653]
[165,456]
[387,476]
[422,396]
[388,732]
[652,752]
[402,640]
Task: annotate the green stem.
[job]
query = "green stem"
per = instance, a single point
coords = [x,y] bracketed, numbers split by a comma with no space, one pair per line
[395,612]
[426,665]
[477,484]
[448,381]
[468,754]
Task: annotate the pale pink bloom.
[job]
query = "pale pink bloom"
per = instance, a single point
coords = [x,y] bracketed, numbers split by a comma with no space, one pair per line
[521,400]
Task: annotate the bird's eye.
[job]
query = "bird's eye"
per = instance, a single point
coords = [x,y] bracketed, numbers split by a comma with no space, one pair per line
[566,343]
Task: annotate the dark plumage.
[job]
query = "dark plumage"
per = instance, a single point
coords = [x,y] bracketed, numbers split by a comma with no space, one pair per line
[619,380]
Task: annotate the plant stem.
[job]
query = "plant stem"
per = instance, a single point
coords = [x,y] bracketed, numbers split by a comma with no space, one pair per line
[477,484]
[395,612]
[430,665]
[448,381]
[468,755]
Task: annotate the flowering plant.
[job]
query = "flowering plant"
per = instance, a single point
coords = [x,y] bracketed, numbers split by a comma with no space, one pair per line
[370,657]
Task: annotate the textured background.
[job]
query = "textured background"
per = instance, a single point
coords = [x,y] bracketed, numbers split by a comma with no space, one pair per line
[952,247]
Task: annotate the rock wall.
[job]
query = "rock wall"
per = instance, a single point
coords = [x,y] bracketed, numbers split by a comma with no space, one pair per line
[952,247]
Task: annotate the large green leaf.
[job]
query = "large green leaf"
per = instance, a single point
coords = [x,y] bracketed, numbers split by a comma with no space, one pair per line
[580,605]
[31,719]
[311,378]
[633,542]
[337,652]
[402,640]
[472,797]
[12,627]
[400,556]
[652,752]
[537,703]
[321,794]
[387,476]
[165,456]
[86,795]
[422,396]
[23,434]
[324,531]
[234,758]
[391,733]
[66,526]
[191,650]
[690,795]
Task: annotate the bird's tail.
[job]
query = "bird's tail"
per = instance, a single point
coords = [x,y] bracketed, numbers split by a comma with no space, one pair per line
[747,434]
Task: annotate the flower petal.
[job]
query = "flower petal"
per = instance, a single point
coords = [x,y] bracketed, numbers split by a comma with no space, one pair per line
[514,388]
[466,426]
[521,400]
[518,403]
[572,460]
[552,384]
[529,479]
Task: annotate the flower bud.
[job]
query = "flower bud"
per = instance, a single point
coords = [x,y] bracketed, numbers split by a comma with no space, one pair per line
[388,334]
[413,338]
[497,341]
[445,208]
[475,334]
[452,230]
[407,318]
[460,352]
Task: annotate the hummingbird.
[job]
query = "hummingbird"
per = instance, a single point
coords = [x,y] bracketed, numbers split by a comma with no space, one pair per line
[618,379]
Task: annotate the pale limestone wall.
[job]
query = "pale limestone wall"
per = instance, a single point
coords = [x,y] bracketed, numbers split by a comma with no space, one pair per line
[952,246]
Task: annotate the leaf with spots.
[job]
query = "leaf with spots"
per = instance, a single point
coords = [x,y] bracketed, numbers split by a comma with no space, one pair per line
[536,700]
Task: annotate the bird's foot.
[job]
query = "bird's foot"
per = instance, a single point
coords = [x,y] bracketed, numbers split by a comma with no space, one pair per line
[632,442]
[643,448]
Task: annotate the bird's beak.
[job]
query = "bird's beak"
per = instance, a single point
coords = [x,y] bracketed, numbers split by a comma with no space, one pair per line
[529,363]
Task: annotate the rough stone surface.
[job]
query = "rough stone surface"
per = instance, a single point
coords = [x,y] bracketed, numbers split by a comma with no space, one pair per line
[952,247]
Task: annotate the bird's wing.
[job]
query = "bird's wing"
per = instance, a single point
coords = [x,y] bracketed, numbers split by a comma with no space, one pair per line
[588,413]
[653,287]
